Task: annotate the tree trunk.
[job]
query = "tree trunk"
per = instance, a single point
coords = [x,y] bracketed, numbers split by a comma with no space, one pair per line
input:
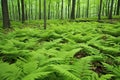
[49,7]
[13,11]
[26,16]
[44,14]
[111,9]
[58,15]
[108,7]
[18,3]
[23,13]
[103,10]
[39,9]
[29,11]
[36,9]
[73,9]
[78,9]
[100,9]
[118,8]
[87,11]
[62,10]
[6,20]
[69,3]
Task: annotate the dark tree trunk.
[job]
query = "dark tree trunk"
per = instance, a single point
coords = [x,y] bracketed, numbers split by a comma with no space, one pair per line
[111,9]
[44,14]
[18,3]
[73,9]
[29,11]
[100,9]
[6,20]
[87,11]
[23,12]
[108,7]
[36,8]
[62,10]
[69,3]
[118,8]
[49,7]
[39,9]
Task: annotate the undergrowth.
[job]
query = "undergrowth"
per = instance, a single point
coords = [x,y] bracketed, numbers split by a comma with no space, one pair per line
[65,51]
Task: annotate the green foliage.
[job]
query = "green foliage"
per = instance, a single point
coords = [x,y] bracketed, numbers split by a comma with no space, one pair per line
[73,51]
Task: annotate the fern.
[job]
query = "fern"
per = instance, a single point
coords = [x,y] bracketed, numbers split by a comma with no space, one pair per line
[82,67]
[115,70]
[64,72]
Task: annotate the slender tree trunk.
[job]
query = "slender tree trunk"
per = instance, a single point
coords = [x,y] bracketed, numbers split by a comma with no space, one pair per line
[69,3]
[58,10]
[106,11]
[78,9]
[118,8]
[111,9]
[18,3]
[73,9]
[66,12]
[9,8]
[115,8]
[87,11]
[103,10]
[6,20]
[29,11]
[39,9]
[23,12]
[62,10]
[0,12]
[49,9]
[83,12]
[108,7]
[100,9]
[13,11]
[26,16]
[36,9]
[45,14]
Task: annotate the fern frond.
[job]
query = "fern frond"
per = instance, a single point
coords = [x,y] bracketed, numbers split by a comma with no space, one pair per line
[64,72]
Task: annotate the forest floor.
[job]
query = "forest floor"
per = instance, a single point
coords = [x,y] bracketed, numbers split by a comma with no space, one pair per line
[64,51]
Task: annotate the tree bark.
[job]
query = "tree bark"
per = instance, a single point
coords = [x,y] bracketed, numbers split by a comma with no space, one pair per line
[62,10]
[73,9]
[78,9]
[6,20]
[111,9]
[69,3]
[39,9]
[13,11]
[49,7]
[87,11]
[23,12]
[44,14]
[18,3]
[118,8]
[100,9]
